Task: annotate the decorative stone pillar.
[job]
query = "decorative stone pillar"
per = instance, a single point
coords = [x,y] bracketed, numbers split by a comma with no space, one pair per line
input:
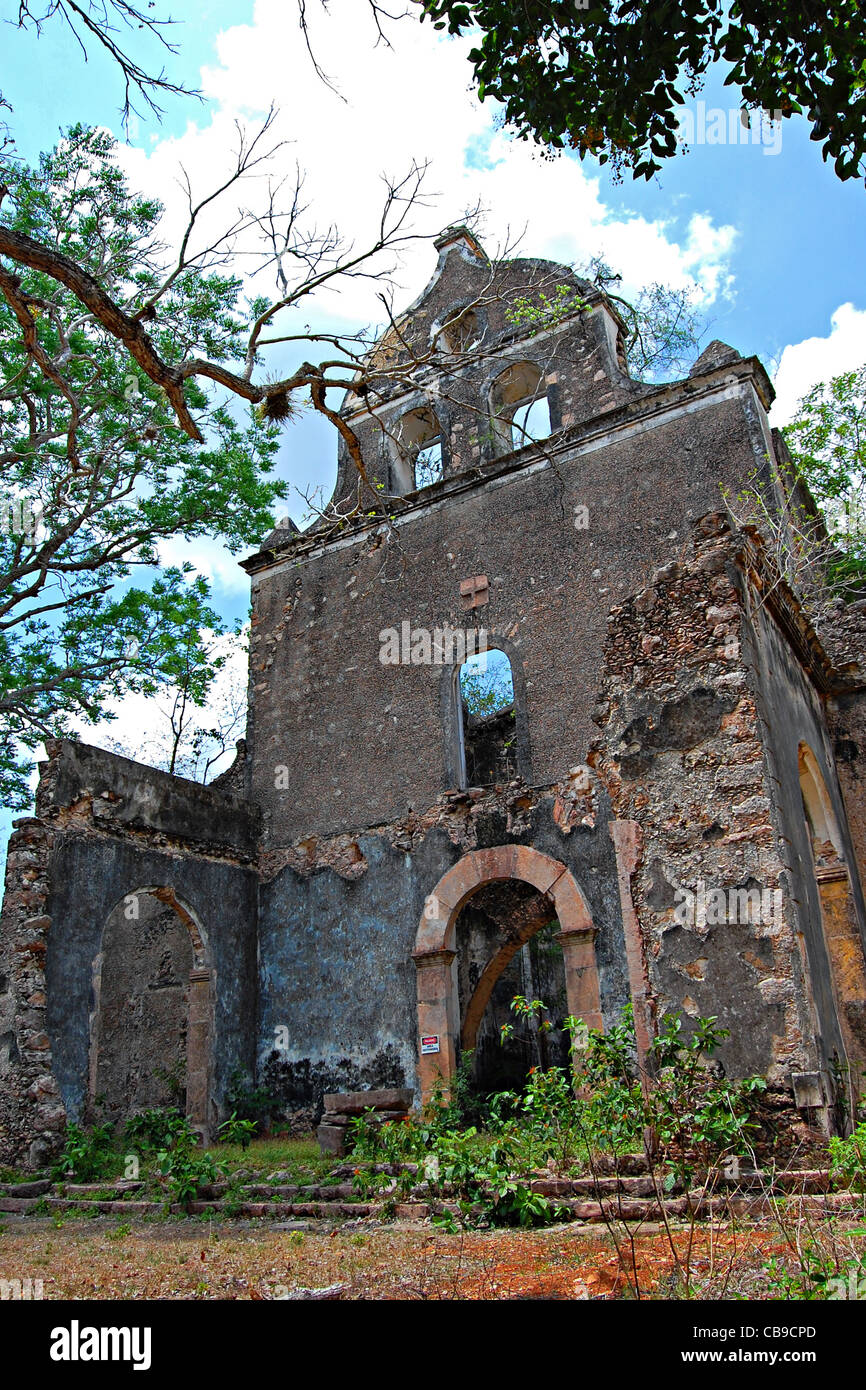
[437,1017]
[581,975]
[198,1051]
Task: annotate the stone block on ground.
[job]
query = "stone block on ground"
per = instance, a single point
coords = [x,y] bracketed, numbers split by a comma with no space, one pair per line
[332,1139]
[356,1102]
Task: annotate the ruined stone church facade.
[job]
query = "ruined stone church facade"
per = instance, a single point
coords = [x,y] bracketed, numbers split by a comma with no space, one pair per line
[669,814]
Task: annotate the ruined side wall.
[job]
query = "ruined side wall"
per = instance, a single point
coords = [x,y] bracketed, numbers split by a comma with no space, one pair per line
[363,742]
[792,711]
[106,827]
[685,717]
[338,921]
[32,1114]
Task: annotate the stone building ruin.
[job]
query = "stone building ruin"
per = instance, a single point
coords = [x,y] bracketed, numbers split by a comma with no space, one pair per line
[670,814]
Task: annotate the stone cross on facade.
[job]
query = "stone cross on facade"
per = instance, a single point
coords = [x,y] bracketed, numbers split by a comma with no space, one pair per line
[474,592]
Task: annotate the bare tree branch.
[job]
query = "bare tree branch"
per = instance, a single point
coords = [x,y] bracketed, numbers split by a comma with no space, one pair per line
[100,20]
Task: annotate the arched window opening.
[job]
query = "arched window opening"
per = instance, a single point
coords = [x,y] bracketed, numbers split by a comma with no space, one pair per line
[419,441]
[519,407]
[460,333]
[489,730]
[530,421]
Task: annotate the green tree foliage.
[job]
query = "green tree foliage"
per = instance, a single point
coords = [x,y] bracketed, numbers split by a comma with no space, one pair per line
[663,325]
[96,473]
[827,440]
[609,79]
[488,688]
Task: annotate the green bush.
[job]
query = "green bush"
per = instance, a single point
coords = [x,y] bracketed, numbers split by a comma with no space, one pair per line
[155,1129]
[848,1160]
[695,1115]
[87,1154]
[247,1101]
[237,1131]
[186,1168]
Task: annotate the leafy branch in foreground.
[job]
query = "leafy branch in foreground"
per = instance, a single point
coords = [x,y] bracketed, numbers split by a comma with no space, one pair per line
[609,79]
[96,475]
[827,441]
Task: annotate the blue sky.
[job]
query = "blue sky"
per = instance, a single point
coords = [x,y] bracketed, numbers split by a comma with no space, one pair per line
[774,244]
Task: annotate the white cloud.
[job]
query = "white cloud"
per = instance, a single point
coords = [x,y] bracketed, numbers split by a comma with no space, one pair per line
[803,365]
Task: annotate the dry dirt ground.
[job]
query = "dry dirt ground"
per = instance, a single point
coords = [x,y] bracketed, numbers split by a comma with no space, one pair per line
[198,1259]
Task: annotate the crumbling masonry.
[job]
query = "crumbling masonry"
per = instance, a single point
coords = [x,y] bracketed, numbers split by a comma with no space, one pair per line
[671,814]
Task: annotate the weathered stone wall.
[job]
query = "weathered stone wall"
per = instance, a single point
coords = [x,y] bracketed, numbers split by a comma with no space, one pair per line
[847,719]
[32,1114]
[107,828]
[337,931]
[844,635]
[793,677]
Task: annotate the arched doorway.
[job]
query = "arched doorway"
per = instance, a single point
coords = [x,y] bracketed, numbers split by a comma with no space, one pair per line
[508,943]
[840,926]
[150,1025]
[442,1030]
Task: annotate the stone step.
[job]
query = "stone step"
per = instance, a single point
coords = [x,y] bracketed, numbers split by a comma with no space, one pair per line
[280,1211]
[794,1181]
[616,1207]
[38,1188]
[87,1189]
[592,1187]
[356,1102]
[20,1204]
[105,1206]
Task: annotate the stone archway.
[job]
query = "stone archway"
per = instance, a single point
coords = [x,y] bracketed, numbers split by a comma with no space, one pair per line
[151,1000]
[435,953]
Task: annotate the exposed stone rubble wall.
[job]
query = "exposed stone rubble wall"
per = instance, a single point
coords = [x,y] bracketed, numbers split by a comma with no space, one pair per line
[684,755]
[31,1110]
